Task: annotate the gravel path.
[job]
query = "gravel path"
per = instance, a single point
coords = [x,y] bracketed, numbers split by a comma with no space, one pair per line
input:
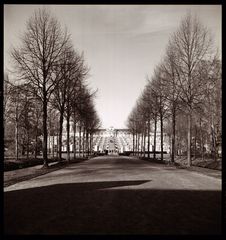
[115,195]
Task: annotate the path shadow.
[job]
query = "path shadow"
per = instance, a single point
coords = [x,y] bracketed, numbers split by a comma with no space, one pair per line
[81,208]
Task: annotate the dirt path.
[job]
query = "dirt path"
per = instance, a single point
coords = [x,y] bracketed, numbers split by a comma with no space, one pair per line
[115,195]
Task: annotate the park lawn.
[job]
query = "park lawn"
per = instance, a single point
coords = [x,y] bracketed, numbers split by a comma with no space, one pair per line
[199,162]
[13,164]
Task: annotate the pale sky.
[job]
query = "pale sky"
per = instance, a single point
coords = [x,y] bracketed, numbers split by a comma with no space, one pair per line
[121,44]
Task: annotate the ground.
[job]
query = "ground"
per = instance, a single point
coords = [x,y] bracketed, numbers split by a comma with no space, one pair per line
[115,195]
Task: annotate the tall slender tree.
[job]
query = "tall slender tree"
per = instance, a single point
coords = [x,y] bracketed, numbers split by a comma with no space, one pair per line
[192,44]
[42,47]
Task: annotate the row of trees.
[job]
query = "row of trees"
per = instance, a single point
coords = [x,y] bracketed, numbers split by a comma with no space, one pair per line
[183,95]
[50,87]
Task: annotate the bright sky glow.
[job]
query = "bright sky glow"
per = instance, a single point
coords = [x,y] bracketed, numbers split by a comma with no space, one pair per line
[121,44]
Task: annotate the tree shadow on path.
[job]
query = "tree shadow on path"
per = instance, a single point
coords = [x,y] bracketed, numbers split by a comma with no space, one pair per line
[98,208]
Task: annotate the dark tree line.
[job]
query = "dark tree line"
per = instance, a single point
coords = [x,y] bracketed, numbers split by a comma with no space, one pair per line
[50,84]
[183,96]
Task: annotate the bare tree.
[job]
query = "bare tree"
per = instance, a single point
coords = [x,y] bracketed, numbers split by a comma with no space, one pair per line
[171,90]
[131,125]
[38,123]
[94,125]
[146,116]
[65,69]
[136,123]
[192,44]
[77,75]
[154,107]
[42,47]
[6,99]
[27,118]
[15,112]
[158,86]
[85,111]
[212,105]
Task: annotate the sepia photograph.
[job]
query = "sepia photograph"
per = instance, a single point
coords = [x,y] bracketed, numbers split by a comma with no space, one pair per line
[112,118]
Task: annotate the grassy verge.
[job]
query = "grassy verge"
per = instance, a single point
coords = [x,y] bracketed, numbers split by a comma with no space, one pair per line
[27,170]
[11,164]
[199,162]
[181,162]
[30,173]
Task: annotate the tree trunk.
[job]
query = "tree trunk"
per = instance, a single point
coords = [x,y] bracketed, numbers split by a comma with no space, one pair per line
[134,152]
[144,140]
[49,133]
[161,126]
[87,143]
[213,142]
[49,148]
[74,140]
[83,142]
[68,137]
[142,145]
[23,148]
[53,146]
[189,139]
[201,140]
[155,126]
[148,138]
[45,133]
[60,136]
[173,135]
[90,143]
[28,138]
[137,150]
[180,147]
[138,144]
[16,141]
[80,133]
[36,142]
[195,141]
[57,138]
[133,142]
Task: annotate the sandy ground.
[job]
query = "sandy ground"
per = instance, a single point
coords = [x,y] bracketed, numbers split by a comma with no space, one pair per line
[115,195]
